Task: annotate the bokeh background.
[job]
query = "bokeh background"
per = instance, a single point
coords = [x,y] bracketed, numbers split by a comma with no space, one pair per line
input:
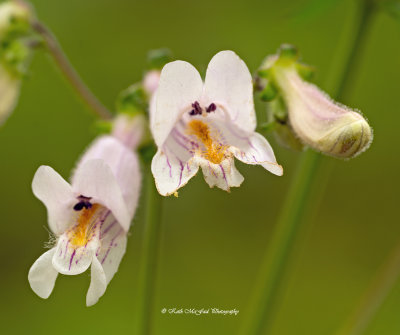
[212,242]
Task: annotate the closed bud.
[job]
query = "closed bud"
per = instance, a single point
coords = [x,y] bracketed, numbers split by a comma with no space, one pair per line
[317,120]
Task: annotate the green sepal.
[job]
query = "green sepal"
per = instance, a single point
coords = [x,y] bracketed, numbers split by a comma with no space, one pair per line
[15,56]
[133,100]
[288,52]
[305,71]
[157,58]
[269,92]
[100,127]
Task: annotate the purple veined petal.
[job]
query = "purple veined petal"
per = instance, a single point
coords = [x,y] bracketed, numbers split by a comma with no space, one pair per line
[42,275]
[223,175]
[123,163]
[173,165]
[250,148]
[180,85]
[228,80]
[56,194]
[95,179]
[70,259]
[112,248]
[98,283]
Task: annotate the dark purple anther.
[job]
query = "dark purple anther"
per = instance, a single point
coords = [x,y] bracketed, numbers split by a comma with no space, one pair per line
[84,202]
[196,109]
[211,108]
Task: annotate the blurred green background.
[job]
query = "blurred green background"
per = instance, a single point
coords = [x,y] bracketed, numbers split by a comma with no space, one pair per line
[212,242]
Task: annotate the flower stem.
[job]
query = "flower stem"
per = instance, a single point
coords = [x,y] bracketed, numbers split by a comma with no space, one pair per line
[56,52]
[274,265]
[374,296]
[150,255]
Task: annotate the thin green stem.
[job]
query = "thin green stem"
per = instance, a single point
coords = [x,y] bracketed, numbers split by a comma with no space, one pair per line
[150,256]
[275,263]
[374,296]
[61,60]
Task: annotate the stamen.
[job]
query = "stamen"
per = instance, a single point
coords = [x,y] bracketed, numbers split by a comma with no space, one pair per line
[214,152]
[197,110]
[84,202]
[211,108]
[82,232]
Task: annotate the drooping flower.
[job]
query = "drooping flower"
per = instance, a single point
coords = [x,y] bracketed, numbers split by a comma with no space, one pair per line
[317,120]
[90,218]
[196,124]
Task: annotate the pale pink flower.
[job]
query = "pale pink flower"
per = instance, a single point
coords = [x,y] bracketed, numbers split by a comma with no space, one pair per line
[207,125]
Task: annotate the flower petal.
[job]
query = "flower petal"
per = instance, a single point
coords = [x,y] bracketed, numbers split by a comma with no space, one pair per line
[94,178]
[56,194]
[124,165]
[113,247]
[173,165]
[72,260]
[180,86]
[42,275]
[229,83]
[256,150]
[224,175]
[98,283]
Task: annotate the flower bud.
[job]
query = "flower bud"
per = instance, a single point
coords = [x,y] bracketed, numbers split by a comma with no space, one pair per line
[9,92]
[130,130]
[150,81]
[316,119]
[14,53]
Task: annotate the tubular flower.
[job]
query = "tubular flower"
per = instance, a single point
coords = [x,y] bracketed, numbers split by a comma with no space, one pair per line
[90,218]
[316,119]
[196,124]
[321,123]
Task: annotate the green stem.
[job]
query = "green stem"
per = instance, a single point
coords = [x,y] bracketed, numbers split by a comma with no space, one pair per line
[56,52]
[274,265]
[150,255]
[374,296]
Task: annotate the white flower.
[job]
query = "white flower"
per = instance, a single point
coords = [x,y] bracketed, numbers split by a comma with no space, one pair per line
[196,124]
[9,92]
[90,218]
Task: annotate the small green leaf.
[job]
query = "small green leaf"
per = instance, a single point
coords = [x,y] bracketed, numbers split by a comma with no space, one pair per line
[132,100]
[158,58]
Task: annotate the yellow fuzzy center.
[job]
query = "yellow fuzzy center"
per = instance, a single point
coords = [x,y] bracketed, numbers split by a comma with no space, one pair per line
[81,233]
[214,151]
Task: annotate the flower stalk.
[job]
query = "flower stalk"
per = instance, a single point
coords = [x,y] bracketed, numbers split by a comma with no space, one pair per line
[274,266]
[150,256]
[56,52]
[374,296]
